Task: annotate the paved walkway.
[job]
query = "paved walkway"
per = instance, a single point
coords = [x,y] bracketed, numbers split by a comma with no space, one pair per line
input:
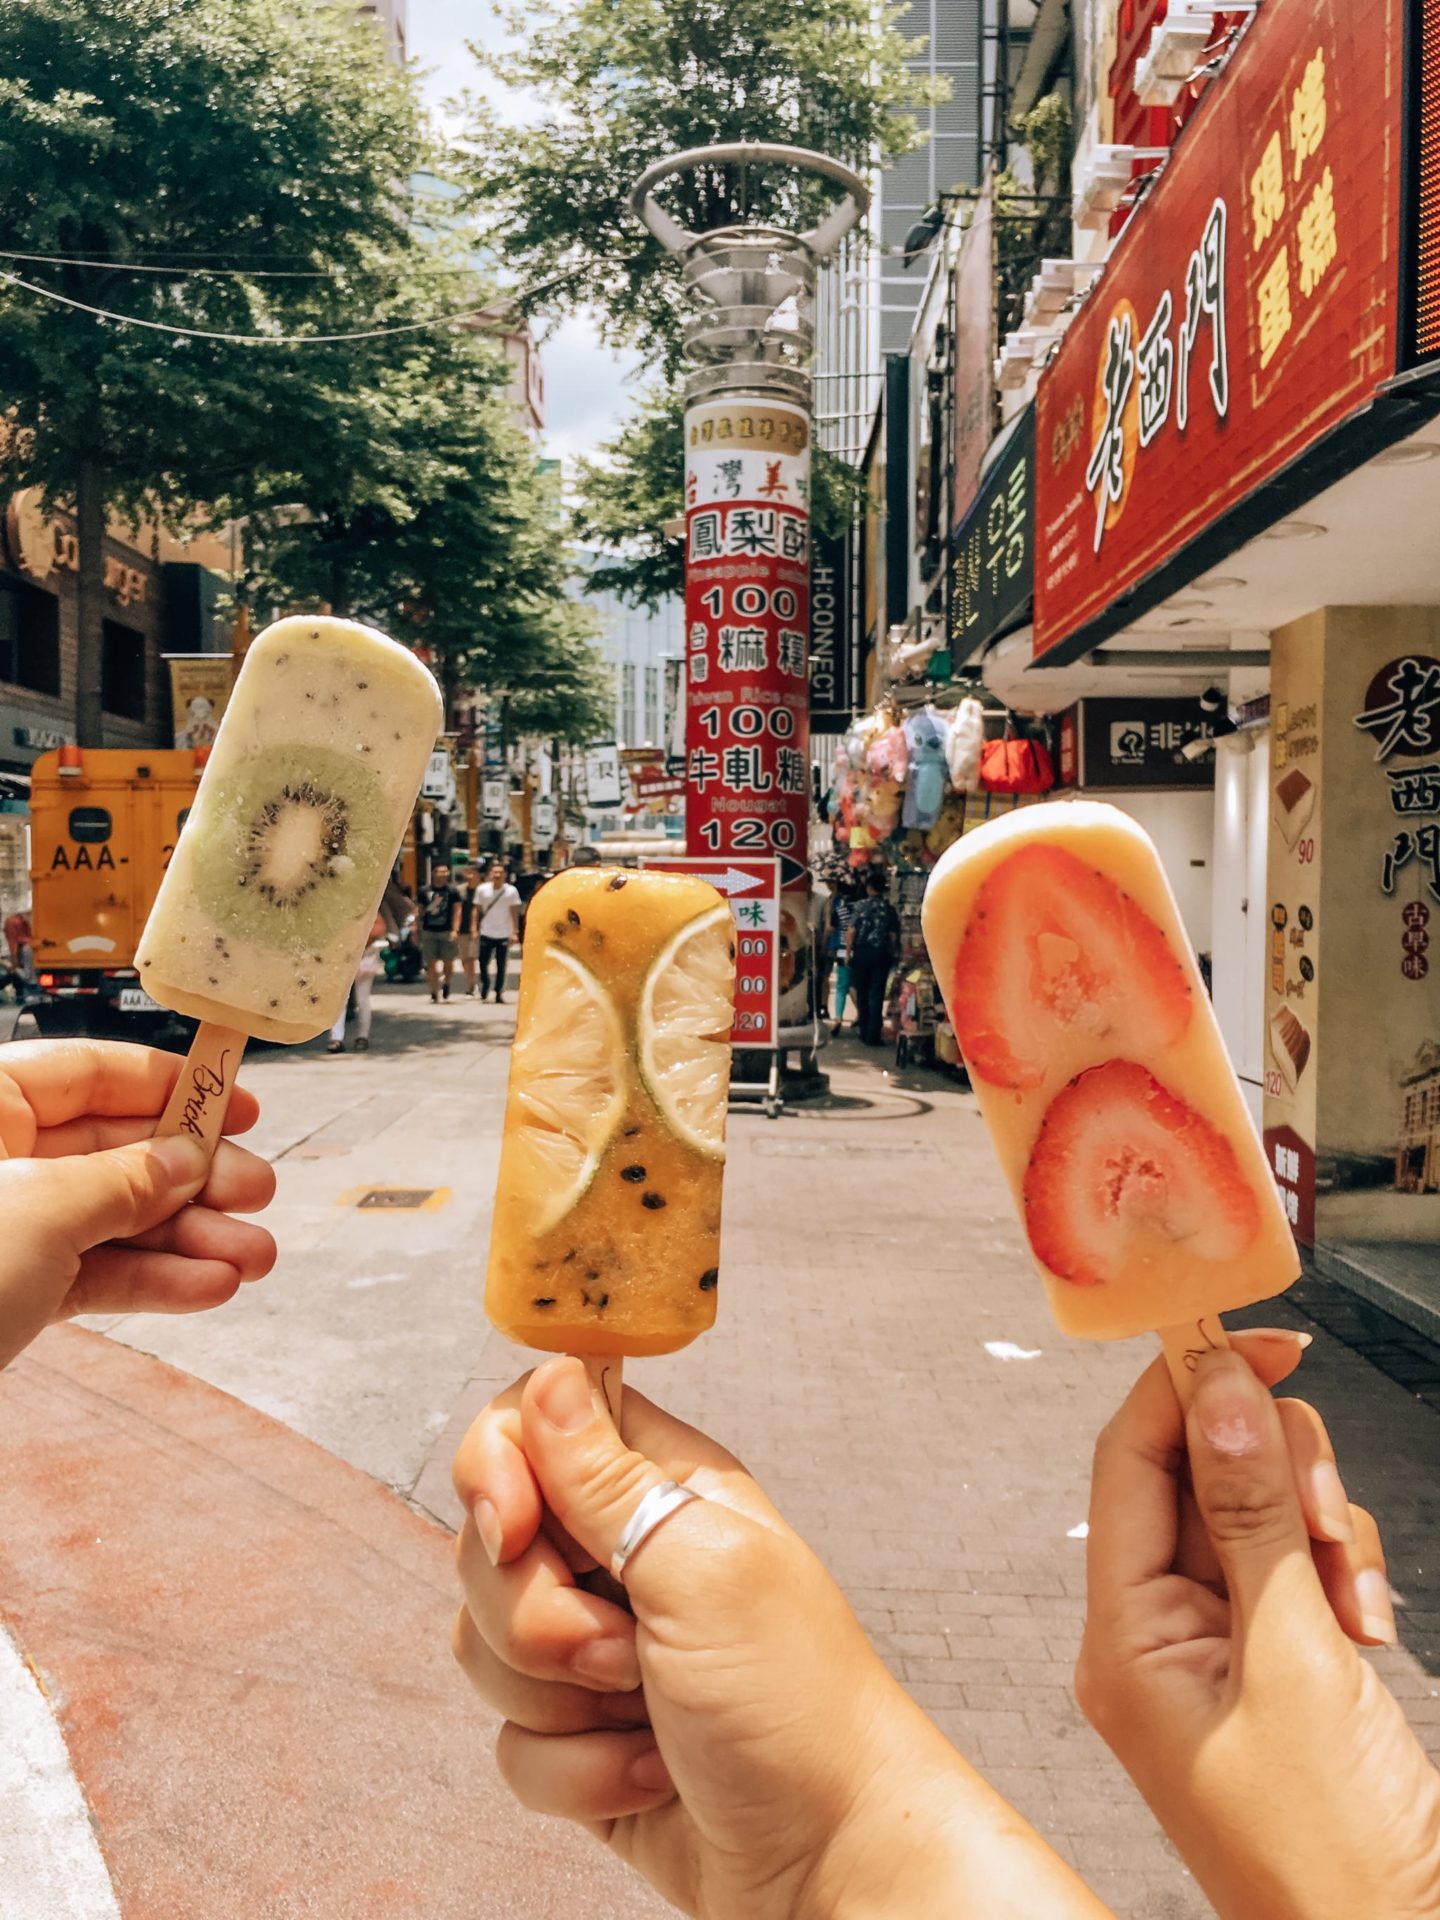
[247,1638]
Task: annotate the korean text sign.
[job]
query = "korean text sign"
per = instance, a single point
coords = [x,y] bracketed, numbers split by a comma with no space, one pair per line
[747,627]
[1249,306]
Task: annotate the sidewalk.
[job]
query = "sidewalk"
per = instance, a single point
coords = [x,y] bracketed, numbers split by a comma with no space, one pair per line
[245,1640]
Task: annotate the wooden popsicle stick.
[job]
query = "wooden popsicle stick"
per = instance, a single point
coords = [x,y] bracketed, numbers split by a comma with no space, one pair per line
[607,1372]
[201,1097]
[1184,1345]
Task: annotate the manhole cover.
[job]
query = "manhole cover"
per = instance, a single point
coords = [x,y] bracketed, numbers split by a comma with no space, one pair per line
[401,1199]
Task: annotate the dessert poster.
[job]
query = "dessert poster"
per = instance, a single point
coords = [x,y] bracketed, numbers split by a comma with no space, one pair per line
[1292,918]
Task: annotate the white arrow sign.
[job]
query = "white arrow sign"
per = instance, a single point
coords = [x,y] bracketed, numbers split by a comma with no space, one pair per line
[731,881]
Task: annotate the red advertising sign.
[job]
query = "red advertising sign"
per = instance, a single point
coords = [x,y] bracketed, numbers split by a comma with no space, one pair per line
[747,625]
[1248,307]
[753,890]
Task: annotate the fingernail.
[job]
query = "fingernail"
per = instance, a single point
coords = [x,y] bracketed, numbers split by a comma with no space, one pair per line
[563,1397]
[1286,1334]
[649,1772]
[1332,1507]
[611,1663]
[487,1525]
[1377,1613]
[1226,1412]
[183,1160]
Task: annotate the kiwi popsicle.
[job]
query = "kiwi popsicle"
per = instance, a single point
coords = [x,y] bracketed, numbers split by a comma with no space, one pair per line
[1104,1083]
[606,1237]
[270,895]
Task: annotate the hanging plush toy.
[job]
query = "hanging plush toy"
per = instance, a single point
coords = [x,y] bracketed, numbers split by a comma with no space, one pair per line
[963,748]
[948,828]
[926,736]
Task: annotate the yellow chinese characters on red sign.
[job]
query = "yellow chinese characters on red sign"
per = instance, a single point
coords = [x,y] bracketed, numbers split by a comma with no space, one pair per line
[1290,201]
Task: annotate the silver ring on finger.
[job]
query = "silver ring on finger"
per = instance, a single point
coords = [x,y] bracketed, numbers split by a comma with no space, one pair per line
[654,1509]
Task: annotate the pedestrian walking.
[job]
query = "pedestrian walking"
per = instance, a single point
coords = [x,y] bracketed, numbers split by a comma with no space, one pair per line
[497,905]
[439,942]
[835,949]
[872,946]
[361,991]
[468,926]
[20,939]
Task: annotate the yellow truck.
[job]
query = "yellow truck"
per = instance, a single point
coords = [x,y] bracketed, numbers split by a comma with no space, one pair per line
[103,825]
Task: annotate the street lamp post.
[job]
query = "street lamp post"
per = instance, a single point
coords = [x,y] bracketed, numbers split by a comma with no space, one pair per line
[747,504]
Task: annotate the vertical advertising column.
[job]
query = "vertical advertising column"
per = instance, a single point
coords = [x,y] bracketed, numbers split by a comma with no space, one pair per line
[747,626]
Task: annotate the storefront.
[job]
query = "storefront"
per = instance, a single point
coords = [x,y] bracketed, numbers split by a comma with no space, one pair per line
[1238,482]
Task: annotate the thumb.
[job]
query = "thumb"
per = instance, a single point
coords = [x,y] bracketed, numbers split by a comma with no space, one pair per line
[84,1199]
[593,1484]
[1244,1483]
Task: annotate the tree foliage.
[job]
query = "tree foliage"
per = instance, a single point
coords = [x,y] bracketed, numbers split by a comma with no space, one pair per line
[636,483]
[167,160]
[627,82]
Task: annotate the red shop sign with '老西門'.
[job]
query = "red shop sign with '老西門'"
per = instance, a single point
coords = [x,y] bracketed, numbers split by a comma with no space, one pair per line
[1247,309]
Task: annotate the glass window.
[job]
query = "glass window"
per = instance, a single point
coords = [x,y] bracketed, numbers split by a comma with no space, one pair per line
[122,671]
[629,718]
[652,705]
[89,825]
[29,637]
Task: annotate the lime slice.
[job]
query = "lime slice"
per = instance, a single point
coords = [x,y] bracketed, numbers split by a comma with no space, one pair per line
[567,1089]
[686,1012]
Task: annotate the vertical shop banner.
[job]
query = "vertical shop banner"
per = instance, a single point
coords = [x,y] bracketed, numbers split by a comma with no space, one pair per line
[992,559]
[1248,308]
[200,686]
[747,627]
[1352,1082]
[603,791]
[832,634]
[974,323]
[753,889]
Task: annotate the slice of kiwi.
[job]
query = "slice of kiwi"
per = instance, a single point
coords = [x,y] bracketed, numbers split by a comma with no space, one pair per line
[289,845]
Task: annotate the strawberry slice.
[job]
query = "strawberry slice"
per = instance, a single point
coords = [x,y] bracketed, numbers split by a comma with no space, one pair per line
[1052,949]
[1124,1174]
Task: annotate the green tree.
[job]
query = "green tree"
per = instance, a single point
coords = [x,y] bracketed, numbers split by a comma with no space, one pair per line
[625,496]
[169,158]
[430,520]
[626,82]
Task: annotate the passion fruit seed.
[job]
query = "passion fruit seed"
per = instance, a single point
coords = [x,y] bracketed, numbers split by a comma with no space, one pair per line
[709,1279]
[633,1174]
[543,1300]
[654,1201]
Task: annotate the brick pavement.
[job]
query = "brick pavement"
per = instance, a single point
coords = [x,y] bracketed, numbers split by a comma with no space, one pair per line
[870,1255]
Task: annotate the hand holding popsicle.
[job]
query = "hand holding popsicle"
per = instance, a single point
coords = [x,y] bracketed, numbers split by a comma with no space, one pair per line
[267,903]
[100,1219]
[1216,1661]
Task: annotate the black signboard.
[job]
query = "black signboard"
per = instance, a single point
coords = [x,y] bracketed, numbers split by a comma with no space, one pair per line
[1137,743]
[832,633]
[992,563]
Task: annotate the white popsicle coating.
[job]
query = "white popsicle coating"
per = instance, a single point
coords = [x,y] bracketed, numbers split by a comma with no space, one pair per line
[269,898]
[1101,1073]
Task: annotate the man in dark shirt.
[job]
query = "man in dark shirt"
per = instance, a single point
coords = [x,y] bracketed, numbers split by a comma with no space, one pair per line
[872,945]
[440,905]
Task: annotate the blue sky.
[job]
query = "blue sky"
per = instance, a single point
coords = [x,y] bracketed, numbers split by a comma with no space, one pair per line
[585,394]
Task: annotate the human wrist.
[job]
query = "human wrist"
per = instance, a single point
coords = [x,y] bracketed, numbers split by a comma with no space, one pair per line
[924,1834]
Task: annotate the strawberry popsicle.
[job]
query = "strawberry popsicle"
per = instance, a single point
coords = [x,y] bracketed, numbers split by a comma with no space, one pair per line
[1104,1083]
[606,1237]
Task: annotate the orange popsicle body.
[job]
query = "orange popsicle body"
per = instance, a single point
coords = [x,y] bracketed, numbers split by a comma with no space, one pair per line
[1094,1051]
[607,1213]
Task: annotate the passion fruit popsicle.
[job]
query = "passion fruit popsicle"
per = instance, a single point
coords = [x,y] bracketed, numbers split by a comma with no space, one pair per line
[1102,1076]
[606,1237]
[269,898]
